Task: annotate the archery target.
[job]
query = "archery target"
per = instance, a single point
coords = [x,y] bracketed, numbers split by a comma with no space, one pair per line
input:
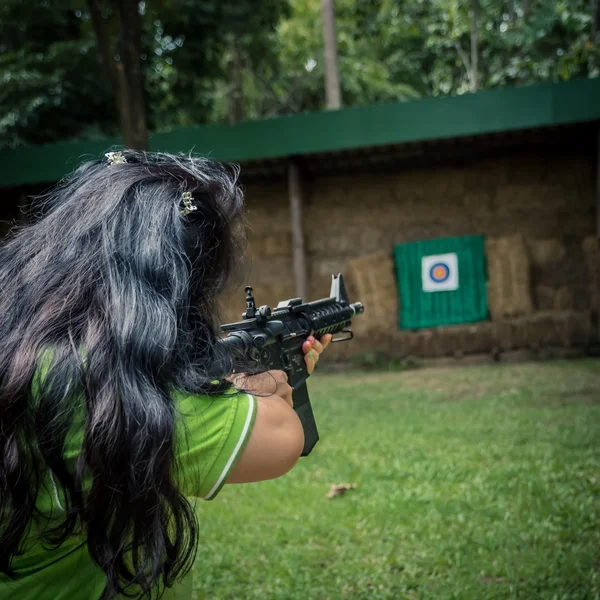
[439,272]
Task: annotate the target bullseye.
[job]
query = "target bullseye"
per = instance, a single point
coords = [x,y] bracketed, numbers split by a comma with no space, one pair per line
[440,272]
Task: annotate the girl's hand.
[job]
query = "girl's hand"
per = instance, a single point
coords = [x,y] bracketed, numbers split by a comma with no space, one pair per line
[312,350]
[265,385]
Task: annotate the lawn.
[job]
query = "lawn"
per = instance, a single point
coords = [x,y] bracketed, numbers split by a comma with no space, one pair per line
[472,483]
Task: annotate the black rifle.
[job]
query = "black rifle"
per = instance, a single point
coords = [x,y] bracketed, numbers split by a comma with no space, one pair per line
[272,339]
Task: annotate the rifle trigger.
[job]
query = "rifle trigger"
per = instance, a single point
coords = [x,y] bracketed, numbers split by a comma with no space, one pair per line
[349,336]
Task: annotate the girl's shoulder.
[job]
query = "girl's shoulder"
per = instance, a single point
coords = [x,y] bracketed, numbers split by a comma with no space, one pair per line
[211,434]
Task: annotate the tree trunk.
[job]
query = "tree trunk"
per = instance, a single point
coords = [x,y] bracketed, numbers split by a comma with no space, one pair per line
[474,46]
[128,120]
[236,100]
[526,10]
[332,79]
[104,46]
[124,75]
[595,9]
[136,134]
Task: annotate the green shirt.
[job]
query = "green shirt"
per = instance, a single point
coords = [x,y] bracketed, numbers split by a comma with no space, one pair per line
[211,435]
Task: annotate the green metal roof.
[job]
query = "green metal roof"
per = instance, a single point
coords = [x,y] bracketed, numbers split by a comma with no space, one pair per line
[485,112]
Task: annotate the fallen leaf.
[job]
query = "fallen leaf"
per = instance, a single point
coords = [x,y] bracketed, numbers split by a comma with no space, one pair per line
[338,489]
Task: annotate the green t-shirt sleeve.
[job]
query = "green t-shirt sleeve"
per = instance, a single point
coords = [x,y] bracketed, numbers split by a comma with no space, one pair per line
[211,435]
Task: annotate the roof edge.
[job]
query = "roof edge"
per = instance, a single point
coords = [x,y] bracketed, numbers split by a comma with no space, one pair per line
[484,112]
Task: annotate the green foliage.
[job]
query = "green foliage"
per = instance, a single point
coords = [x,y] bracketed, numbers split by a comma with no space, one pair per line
[190,83]
[393,50]
[554,44]
[199,55]
[295,83]
[551,42]
[53,87]
[50,85]
[472,484]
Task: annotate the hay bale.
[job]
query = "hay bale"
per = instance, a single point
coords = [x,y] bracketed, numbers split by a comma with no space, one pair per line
[470,338]
[544,252]
[519,331]
[539,331]
[441,341]
[582,298]
[509,285]
[275,244]
[438,342]
[397,343]
[327,267]
[545,297]
[346,240]
[425,343]
[270,272]
[590,245]
[591,256]
[564,298]
[542,330]
[374,283]
[502,335]
[553,328]
[570,270]
[478,338]
[319,278]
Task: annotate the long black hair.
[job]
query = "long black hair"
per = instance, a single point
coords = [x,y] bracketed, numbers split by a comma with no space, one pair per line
[114,289]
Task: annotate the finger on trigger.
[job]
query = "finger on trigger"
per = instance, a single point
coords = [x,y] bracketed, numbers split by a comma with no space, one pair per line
[318,347]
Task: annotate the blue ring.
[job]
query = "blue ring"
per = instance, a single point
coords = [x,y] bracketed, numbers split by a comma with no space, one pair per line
[436,279]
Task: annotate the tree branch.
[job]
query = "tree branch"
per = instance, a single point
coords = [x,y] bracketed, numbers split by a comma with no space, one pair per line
[463,57]
[236,96]
[511,11]
[283,102]
[474,46]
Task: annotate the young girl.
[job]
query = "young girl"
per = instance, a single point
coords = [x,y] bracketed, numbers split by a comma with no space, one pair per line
[110,419]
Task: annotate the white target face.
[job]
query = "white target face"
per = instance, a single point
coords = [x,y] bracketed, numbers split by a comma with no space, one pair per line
[439,272]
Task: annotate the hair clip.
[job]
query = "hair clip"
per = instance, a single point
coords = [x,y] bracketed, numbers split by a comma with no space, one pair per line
[187,202]
[115,158]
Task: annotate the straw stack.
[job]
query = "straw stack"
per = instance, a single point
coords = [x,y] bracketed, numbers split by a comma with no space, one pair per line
[373,282]
[509,279]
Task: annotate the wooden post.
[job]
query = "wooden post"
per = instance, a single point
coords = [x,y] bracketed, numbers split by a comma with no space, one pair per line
[595,277]
[332,78]
[598,186]
[298,249]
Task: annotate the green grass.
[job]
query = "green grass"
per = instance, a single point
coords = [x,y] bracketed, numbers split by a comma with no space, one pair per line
[475,483]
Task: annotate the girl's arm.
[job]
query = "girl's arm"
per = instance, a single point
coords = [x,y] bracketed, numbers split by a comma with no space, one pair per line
[277,438]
